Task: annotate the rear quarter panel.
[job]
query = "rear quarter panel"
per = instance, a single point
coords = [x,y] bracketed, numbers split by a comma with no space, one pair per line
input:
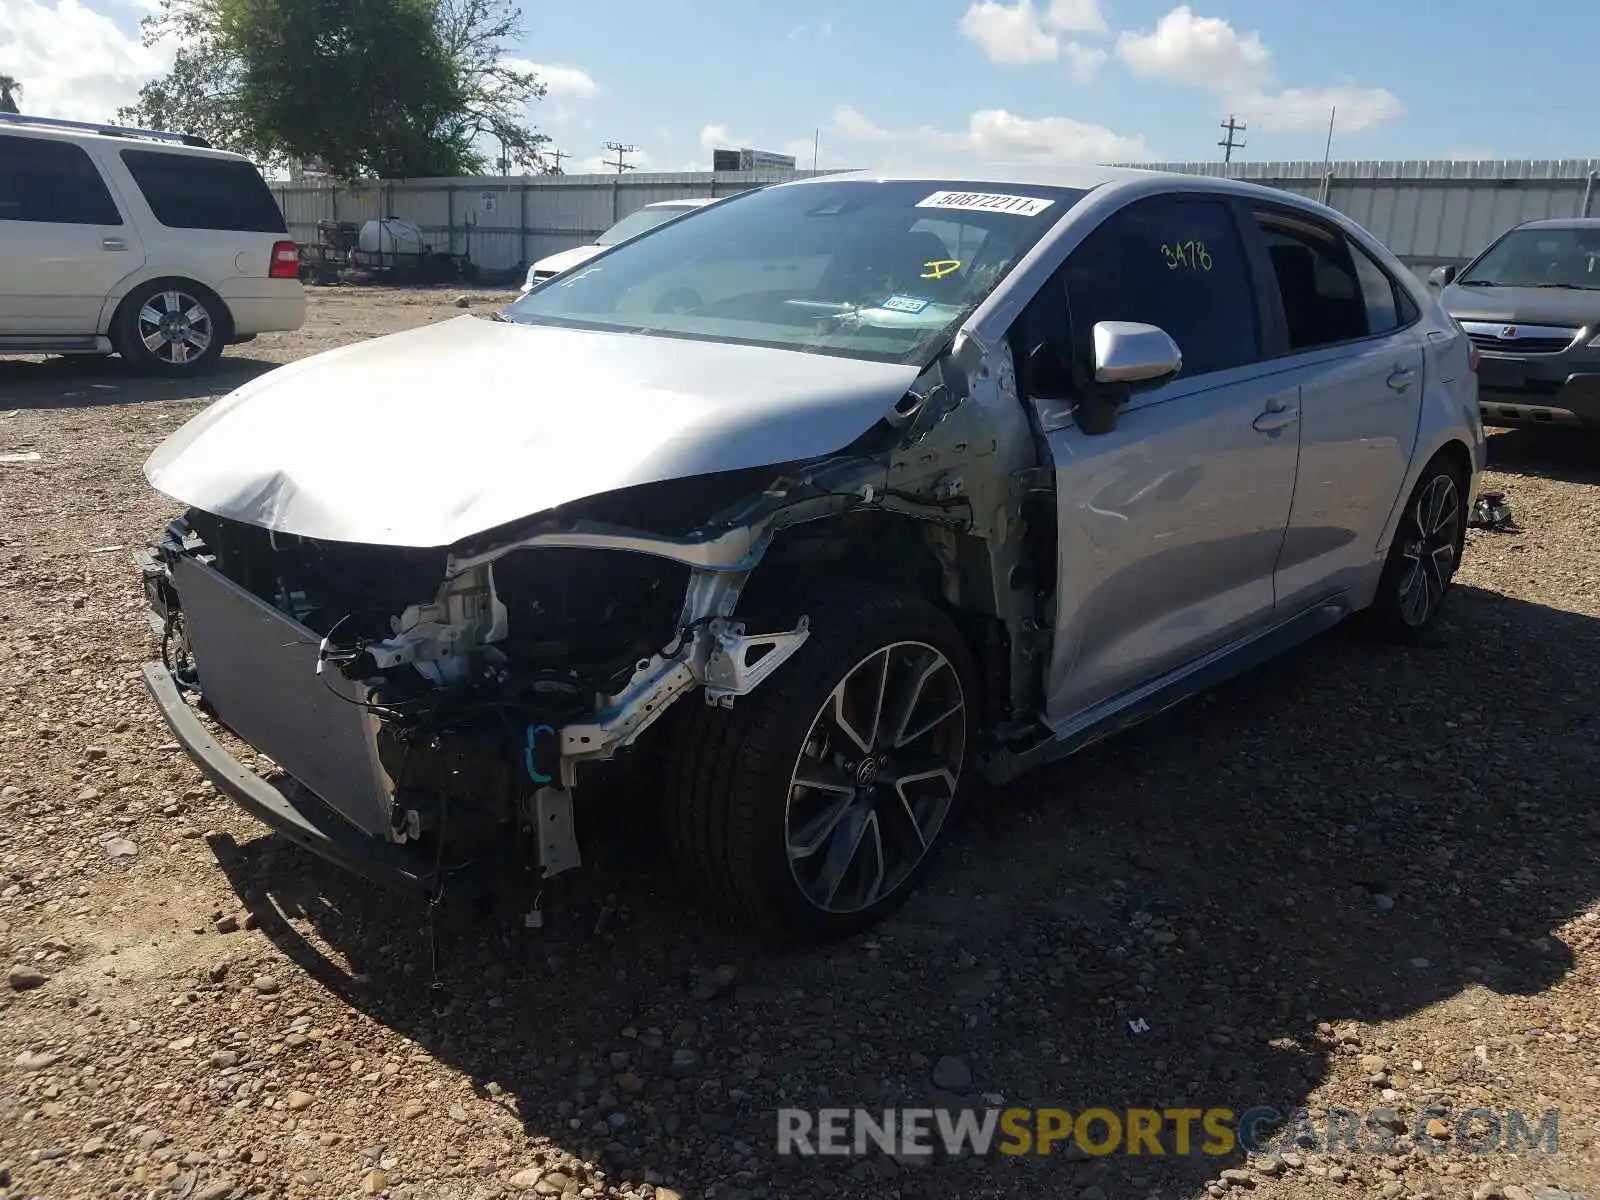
[232,264]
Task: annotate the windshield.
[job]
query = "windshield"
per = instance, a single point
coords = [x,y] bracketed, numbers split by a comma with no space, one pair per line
[1539,258]
[636,223]
[862,269]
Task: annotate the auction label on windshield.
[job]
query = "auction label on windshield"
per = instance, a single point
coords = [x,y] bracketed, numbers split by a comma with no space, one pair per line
[1023,206]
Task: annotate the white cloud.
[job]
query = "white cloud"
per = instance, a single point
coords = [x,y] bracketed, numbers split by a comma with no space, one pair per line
[72,62]
[1018,34]
[566,82]
[1207,52]
[717,137]
[995,135]
[1299,110]
[1201,51]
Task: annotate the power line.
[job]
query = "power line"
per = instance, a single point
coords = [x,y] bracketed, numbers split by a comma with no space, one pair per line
[620,163]
[1228,144]
[555,157]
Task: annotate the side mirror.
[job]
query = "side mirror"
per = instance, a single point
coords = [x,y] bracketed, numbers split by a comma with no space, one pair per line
[1129,352]
[1441,276]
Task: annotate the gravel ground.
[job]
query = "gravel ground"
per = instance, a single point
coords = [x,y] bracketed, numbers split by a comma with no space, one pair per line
[1357,877]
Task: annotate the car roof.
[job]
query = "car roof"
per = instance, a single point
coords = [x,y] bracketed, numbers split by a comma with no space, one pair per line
[682,202]
[125,141]
[1076,176]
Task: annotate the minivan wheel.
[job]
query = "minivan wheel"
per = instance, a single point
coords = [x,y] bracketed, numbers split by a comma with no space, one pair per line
[1424,555]
[170,327]
[814,806]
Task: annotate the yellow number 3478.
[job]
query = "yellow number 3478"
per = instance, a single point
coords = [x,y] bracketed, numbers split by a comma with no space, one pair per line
[1191,255]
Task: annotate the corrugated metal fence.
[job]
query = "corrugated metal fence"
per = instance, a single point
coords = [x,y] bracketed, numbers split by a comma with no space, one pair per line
[502,223]
[1429,212]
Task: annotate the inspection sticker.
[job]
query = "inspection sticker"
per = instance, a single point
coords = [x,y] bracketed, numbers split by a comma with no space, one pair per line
[1022,206]
[905,304]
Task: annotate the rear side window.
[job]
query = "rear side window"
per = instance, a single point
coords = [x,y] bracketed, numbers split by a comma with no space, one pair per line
[52,182]
[1174,262]
[190,191]
[1333,291]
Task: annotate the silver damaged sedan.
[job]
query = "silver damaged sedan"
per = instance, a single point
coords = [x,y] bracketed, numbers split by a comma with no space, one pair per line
[801,515]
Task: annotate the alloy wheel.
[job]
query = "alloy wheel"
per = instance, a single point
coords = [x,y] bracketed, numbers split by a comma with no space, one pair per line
[175,327]
[1429,549]
[875,777]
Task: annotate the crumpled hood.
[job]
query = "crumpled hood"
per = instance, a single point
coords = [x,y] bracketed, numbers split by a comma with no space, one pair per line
[427,437]
[1523,306]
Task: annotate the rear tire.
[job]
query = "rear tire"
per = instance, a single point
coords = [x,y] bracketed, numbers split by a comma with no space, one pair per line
[1424,556]
[171,327]
[814,805]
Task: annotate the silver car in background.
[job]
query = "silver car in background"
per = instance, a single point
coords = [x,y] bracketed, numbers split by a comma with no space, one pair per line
[806,512]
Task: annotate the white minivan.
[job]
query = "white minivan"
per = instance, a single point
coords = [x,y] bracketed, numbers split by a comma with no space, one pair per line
[149,245]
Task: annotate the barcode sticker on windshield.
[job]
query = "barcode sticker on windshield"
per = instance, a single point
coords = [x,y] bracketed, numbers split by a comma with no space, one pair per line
[1022,206]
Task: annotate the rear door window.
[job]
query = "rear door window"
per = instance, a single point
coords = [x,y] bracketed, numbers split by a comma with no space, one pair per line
[52,182]
[191,191]
[1332,290]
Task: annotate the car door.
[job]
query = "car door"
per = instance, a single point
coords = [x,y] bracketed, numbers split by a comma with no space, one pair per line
[64,244]
[1169,526]
[1354,342]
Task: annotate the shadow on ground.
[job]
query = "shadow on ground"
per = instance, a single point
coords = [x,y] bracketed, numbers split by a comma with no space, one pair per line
[94,380]
[1347,835]
[1567,454]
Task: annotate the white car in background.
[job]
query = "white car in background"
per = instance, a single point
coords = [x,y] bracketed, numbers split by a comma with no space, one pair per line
[150,245]
[630,226]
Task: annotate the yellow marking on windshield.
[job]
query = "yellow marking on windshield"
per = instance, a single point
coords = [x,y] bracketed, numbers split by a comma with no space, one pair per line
[940,267]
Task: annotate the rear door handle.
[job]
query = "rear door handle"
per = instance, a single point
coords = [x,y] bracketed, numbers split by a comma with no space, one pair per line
[1276,417]
[1400,378]
[113,244]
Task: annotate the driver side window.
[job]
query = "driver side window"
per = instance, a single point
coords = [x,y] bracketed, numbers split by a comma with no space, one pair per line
[1175,262]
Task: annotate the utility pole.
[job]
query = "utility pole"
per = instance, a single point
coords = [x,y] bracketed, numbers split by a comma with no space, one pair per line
[620,163]
[555,157]
[1228,144]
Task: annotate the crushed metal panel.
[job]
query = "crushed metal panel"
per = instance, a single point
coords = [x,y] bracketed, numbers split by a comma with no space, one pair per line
[258,673]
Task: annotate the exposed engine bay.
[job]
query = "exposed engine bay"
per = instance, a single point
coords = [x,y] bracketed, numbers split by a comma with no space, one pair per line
[435,697]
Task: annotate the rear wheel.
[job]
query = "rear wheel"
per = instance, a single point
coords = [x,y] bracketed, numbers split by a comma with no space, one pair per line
[814,806]
[170,327]
[1424,555]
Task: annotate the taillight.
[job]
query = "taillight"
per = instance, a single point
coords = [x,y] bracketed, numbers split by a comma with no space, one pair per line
[1473,357]
[285,263]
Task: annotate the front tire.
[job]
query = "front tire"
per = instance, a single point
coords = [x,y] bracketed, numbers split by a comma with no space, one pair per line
[170,327]
[814,806]
[1424,556]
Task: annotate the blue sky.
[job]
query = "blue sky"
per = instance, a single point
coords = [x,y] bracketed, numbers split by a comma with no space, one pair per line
[1006,80]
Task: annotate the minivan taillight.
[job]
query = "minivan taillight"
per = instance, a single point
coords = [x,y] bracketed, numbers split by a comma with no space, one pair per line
[285,261]
[1473,357]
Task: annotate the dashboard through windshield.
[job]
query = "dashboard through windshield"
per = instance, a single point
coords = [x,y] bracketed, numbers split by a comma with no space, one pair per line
[859,268]
[1548,257]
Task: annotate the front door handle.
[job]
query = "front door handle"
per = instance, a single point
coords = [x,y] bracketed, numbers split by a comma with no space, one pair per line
[1400,378]
[1276,417]
[113,244]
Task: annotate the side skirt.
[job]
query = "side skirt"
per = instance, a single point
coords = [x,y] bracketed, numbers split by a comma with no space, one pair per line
[1122,712]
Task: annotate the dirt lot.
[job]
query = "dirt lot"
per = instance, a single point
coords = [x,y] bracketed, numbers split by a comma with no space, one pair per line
[1358,877]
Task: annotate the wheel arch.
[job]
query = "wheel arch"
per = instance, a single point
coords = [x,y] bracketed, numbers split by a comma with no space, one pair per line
[905,554]
[224,313]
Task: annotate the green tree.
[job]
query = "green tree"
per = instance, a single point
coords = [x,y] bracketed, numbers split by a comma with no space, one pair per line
[9,88]
[386,88]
